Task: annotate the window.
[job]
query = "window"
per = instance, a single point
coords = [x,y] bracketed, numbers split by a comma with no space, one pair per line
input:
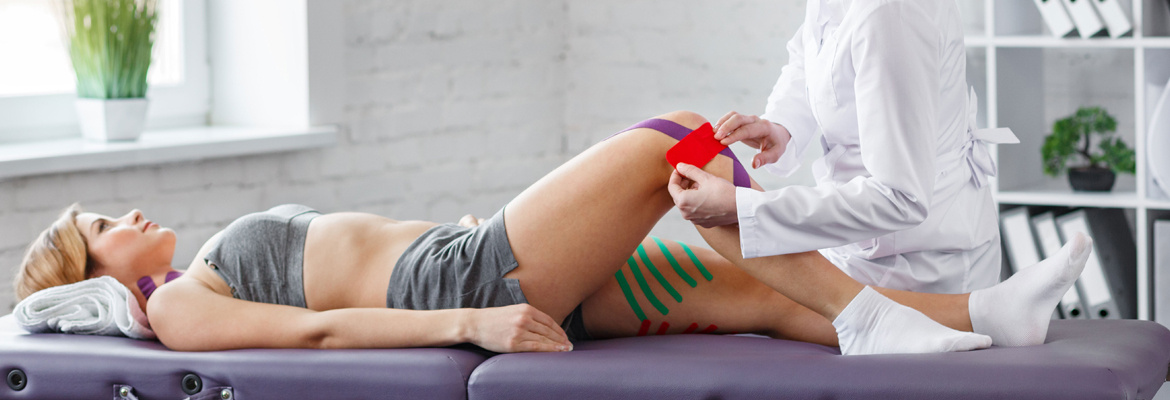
[37,81]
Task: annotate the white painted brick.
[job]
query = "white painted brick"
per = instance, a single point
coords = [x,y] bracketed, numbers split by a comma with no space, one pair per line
[135,183]
[448,179]
[319,195]
[367,159]
[336,162]
[166,209]
[301,167]
[19,229]
[446,209]
[410,209]
[87,187]
[42,192]
[179,177]
[222,171]
[373,189]
[262,169]
[223,205]
[408,153]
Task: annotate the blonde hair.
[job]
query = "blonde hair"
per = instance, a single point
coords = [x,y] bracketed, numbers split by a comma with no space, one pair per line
[57,257]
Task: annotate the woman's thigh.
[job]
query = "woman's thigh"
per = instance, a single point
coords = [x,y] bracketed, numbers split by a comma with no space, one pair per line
[697,291]
[571,229]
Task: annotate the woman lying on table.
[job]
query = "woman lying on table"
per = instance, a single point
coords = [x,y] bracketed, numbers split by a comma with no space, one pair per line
[568,259]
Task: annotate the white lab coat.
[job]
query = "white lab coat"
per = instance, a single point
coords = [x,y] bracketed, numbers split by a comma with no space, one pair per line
[902,199]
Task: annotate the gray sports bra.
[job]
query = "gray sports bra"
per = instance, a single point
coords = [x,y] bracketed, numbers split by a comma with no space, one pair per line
[261,255]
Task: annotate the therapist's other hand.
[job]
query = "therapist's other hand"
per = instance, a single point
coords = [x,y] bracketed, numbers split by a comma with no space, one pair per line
[704,199]
[763,135]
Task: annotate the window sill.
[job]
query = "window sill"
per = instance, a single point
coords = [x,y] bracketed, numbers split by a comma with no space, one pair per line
[157,147]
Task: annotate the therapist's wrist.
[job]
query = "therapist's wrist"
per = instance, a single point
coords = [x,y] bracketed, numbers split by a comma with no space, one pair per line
[783,136]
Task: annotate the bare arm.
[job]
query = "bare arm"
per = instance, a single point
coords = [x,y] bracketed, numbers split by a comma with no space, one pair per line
[188,316]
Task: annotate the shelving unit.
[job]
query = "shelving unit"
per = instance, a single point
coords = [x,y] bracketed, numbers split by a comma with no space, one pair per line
[1027,78]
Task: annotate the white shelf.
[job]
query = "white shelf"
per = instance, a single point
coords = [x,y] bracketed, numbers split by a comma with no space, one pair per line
[1070,199]
[1071,42]
[156,147]
[1015,82]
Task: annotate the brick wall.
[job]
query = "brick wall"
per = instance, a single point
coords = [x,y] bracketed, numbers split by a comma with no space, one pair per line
[454,107]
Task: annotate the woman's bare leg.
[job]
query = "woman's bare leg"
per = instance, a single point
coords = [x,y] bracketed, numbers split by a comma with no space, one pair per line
[590,212]
[731,302]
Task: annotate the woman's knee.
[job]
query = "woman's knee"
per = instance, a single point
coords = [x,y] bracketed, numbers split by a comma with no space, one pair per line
[685,118]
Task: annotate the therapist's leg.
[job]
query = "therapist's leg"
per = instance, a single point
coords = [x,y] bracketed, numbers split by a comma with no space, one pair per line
[1014,313]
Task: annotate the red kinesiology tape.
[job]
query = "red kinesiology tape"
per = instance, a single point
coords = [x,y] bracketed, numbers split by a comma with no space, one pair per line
[697,148]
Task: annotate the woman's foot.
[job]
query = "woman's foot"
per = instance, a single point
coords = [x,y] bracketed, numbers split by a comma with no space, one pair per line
[874,324]
[1017,311]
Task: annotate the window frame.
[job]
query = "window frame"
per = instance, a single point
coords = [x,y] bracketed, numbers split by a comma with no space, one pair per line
[52,116]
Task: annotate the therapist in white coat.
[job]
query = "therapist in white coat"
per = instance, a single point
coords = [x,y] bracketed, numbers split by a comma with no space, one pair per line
[902,199]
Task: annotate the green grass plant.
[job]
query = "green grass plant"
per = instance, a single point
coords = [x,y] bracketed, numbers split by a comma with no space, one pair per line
[110,44]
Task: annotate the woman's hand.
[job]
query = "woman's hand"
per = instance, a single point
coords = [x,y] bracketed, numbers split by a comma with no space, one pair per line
[769,138]
[704,199]
[470,221]
[516,328]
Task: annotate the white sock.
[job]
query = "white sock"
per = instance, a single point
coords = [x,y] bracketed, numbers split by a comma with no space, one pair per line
[874,324]
[1016,312]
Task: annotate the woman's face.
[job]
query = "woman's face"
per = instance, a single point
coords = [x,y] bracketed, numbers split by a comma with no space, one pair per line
[128,247]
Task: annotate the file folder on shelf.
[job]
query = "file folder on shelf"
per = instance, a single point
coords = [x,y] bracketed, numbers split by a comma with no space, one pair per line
[1055,17]
[1050,243]
[1019,243]
[1162,272]
[1084,15]
[1108,280]
[1017,238]
[1115,18]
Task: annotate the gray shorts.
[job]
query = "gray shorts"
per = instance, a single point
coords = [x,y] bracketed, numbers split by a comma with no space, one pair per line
[451,266]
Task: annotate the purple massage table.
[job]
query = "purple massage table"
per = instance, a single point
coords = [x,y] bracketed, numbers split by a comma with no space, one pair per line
[58,366]
[1082,360]
[1097,359]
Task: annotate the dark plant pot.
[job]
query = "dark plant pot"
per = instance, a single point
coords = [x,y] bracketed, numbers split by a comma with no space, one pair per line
[1091,179]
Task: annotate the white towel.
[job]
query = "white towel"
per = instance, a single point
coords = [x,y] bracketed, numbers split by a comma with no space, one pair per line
[97,306]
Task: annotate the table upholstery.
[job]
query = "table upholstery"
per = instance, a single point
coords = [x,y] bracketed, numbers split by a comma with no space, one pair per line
[1097,359]
[78,366]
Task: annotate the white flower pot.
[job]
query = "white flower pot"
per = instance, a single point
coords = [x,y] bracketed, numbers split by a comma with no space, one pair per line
[105,120]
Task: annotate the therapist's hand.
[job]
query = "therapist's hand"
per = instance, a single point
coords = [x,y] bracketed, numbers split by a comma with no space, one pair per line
[769,138]
[704,199]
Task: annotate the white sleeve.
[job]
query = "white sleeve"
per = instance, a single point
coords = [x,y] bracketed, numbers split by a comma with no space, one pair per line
[788,106]
[897,92]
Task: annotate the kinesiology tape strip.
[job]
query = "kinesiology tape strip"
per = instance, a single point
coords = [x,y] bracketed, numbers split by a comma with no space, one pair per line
[644,283]
[678,132]
[697,148]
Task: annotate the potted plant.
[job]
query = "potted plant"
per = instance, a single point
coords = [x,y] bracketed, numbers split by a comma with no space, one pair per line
[1071,138]
[110,44]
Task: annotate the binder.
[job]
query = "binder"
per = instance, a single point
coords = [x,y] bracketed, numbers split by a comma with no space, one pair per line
[1109,279]
[1162,272]
[1019,242]
[1050,244]
[1115,18]
[1084,15]
[1018,239]
[1056,17]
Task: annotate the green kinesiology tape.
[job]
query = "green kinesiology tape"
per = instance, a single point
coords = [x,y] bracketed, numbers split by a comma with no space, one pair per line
[658,275]
[674,264]
[621,279]
[699,265]
[646,287]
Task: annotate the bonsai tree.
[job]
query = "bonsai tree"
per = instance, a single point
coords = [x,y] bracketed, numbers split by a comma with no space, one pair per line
[1072,138]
